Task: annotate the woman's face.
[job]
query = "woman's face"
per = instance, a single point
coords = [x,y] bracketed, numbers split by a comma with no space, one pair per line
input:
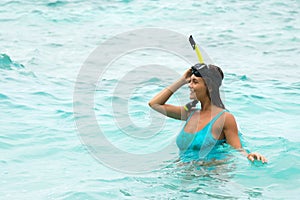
[197,88]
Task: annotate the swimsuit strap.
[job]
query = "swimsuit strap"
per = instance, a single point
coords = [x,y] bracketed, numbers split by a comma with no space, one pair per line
[217,116]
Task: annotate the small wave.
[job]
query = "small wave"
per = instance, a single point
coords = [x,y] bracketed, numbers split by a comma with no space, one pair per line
[126,193]
[64,114]
[56,4]
[232,76]
[243,78]
[45,94]
[16,105]
[125,179]
[275,13]
[3,96]
[15,3]
[256,96]
[4,145]
[7,63]
[296,85]
[126,1]
[28,73]
[88,195]
[153,80]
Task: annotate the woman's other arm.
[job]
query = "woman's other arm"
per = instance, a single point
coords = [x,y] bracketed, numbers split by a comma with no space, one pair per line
[232,138]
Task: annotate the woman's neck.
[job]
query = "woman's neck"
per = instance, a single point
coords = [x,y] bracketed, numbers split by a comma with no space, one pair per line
[206,105]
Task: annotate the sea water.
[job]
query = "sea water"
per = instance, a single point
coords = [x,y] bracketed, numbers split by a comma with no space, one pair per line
[43,46]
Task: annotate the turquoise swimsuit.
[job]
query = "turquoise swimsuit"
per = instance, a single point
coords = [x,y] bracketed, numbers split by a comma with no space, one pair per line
[200,145]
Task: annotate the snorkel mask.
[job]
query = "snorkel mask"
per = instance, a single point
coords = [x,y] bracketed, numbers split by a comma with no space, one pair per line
[199,69]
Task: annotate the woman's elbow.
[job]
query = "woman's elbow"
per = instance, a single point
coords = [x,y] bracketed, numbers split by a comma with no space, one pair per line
[154,106]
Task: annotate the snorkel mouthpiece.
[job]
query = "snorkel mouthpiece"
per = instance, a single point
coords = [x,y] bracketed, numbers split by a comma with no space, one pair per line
[190,105]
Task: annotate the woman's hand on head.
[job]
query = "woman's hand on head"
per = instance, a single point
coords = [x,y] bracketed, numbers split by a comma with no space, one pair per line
[256,156]
[187,75]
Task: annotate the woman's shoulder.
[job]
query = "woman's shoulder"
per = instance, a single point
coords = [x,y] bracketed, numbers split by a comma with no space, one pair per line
[229,118]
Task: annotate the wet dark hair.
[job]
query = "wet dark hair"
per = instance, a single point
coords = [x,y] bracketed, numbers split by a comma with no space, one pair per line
[212,76]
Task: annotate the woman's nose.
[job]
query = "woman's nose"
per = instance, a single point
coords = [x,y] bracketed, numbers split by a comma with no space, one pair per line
[190,84]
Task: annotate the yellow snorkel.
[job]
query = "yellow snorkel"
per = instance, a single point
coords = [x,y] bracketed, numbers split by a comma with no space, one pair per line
[192,104]
[195,47]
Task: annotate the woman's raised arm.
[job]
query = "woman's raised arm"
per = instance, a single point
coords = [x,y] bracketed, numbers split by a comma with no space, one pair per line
[158,102]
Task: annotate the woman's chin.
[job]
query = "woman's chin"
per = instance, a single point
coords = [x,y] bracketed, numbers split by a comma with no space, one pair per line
[192,97]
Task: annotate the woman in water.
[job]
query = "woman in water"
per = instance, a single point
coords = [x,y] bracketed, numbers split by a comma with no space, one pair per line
[206,128]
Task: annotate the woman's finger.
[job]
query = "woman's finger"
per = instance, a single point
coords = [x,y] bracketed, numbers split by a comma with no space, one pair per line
[250,157]
[264,160]
[257,156]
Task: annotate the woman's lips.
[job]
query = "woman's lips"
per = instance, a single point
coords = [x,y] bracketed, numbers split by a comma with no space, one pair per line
[192,93]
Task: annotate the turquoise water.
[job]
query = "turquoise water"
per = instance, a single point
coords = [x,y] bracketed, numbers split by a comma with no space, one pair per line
[45,43]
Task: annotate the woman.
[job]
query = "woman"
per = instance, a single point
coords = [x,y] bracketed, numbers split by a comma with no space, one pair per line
[206,128]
